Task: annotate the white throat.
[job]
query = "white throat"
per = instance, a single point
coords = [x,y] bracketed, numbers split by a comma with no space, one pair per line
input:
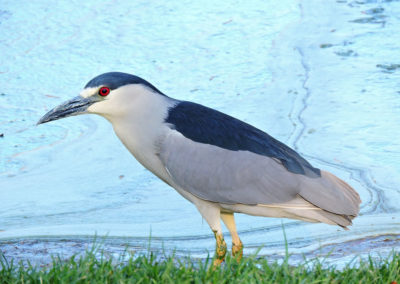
[137,114]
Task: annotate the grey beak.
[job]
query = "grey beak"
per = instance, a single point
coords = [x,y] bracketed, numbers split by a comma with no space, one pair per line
[77,105]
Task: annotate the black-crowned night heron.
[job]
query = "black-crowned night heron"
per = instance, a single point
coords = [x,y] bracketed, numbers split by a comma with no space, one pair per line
[219,163]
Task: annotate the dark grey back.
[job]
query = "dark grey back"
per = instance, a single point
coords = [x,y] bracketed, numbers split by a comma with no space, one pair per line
[206,125]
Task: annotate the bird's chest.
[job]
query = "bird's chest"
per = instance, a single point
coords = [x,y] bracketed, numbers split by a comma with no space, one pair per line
[144,143]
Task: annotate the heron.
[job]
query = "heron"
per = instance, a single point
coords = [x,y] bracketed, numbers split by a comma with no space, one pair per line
[219,163]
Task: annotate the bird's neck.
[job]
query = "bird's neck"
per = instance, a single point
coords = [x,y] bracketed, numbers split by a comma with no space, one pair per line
[142,129]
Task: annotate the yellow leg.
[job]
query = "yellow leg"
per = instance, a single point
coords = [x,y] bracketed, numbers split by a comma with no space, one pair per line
[211,213]
[220,250]
[237,245]
[237,250]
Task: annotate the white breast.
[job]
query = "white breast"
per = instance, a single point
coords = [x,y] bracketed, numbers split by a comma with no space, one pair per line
[137,114]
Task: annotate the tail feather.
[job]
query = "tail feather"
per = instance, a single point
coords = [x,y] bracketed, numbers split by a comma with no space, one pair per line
[301,209]
[340,220]
[331,194]
[322,216]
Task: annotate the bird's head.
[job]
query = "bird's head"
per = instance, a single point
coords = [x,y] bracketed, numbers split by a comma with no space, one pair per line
[110,94]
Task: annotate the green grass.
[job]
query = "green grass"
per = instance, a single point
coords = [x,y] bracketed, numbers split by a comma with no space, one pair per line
[152,269]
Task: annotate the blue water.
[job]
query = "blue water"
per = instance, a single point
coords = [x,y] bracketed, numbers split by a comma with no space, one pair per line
[321,76]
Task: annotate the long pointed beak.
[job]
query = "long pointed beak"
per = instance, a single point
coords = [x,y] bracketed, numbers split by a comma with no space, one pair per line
[77,105]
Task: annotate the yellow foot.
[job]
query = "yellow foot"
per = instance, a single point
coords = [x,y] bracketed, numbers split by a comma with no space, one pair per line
[220,250]
[217,262]
[237,251]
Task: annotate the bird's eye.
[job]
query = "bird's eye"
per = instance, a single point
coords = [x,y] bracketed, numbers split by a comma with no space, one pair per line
[104,91]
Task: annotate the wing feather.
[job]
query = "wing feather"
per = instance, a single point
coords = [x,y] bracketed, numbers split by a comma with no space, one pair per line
[242,177]
[209,126]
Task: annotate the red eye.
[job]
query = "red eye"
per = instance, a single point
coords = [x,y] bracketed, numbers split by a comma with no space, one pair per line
[104,91]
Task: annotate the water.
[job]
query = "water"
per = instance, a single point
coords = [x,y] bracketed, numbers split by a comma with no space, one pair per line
[321,76]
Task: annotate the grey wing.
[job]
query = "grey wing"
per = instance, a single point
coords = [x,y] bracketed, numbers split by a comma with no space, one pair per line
[219,175]
[224,176]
